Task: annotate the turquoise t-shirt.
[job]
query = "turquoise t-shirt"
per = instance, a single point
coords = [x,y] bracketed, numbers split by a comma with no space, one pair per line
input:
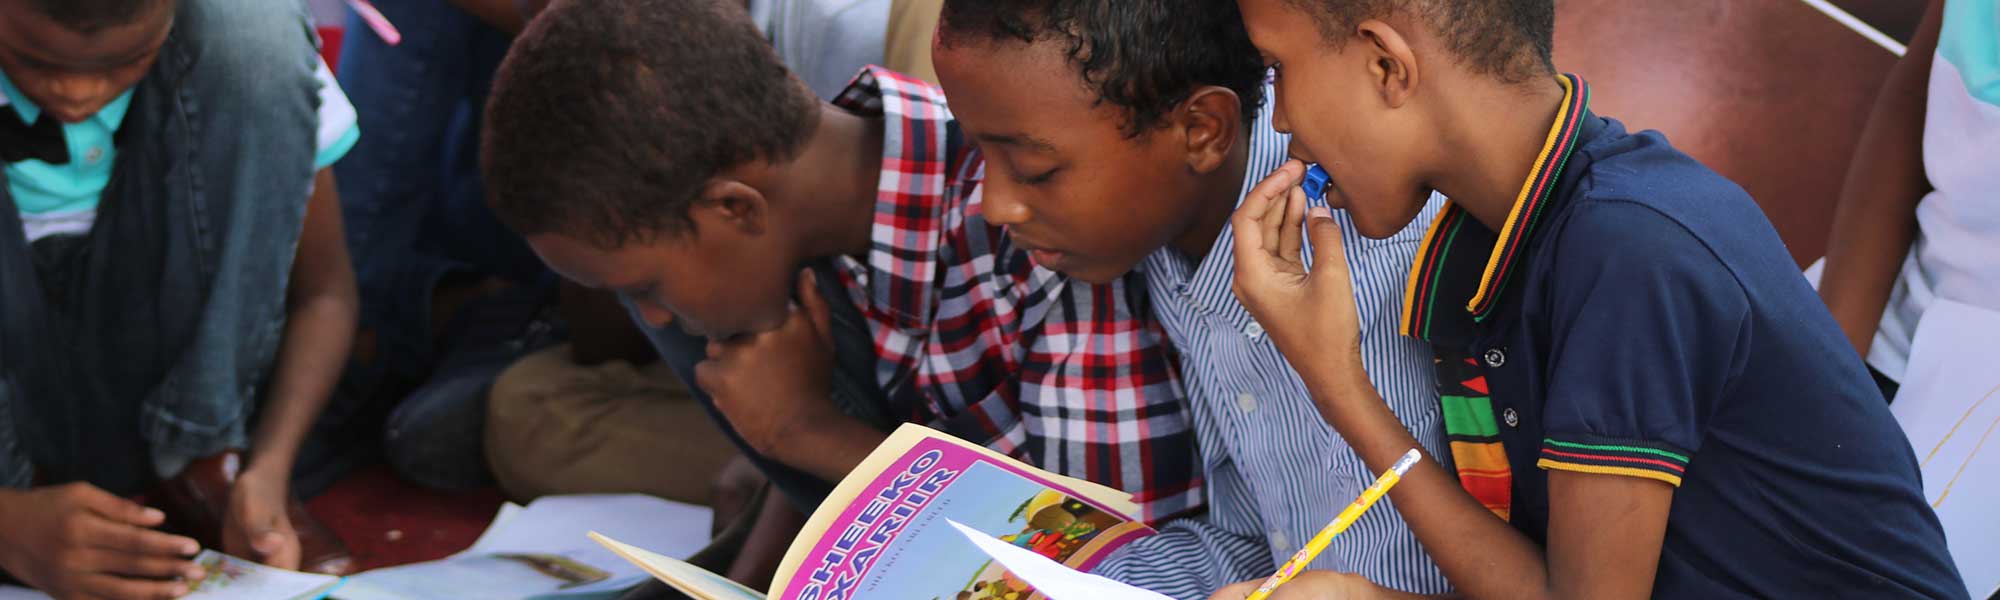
[63,198]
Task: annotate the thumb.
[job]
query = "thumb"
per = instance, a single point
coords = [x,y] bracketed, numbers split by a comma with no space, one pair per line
[815,305]
[1328,253]
[267,541]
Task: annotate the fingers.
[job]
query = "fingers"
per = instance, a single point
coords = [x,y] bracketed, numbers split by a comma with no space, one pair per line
[1236,592]
[817,313]
[1290,236]
[135,565]
[707,375]
[124,538]
[122,588]
[1328,253]
[115,508]
[1250,214]
[278,549]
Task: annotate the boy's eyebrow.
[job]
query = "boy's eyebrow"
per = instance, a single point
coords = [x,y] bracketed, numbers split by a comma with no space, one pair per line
[1016,140]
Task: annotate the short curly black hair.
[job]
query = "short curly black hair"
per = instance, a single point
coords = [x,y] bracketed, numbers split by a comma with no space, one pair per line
[1142,56]
[1511,40]
[608,116]
[91,16]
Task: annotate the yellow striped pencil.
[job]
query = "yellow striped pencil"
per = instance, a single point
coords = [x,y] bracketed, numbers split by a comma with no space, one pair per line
[1340,523]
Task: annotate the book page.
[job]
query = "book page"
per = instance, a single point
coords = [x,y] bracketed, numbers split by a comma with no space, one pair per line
[694,581]
[1051,578]
[229,578]
[1949,405]
[543,551]
[892,539]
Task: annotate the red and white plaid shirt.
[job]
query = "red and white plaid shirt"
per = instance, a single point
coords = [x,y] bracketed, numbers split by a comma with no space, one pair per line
[981,343]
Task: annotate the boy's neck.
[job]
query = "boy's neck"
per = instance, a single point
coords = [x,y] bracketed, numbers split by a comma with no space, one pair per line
[1492,136]
[833,184]
[1219,191]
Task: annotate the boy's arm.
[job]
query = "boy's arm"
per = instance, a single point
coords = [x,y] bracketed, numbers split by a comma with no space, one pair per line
[321,308]
[1605,531]
[774,387]
[1875,219]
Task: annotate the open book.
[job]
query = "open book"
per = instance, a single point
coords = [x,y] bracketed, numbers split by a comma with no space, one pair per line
[226,577]
[536,552]
[887,530]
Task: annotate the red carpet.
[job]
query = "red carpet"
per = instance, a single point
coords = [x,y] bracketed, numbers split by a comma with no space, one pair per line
[388,522]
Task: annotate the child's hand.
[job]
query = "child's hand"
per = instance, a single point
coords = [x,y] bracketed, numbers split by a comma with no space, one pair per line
[257,525]
[1311,585]
[775,385]
[1307,314]
[77,541]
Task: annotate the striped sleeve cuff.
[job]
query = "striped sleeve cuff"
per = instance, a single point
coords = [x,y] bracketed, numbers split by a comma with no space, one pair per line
[1631,458]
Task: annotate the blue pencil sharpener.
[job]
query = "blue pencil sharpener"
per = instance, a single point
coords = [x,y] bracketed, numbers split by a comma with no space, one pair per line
[1315,183]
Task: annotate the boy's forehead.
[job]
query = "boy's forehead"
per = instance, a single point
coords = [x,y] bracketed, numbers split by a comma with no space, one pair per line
[1018,94]
[27,32]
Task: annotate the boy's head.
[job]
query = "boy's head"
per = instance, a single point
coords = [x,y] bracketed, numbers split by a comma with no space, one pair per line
[1367,87]
[1103,122]
[628,141]
[71,57]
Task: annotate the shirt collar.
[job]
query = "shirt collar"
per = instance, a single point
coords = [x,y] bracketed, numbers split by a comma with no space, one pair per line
[1461,262]
[916,184]
[110,117]
[1203,282]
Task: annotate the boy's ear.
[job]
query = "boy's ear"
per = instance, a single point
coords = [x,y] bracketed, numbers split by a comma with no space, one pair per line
[1210,120]
[1392,65]
[731,203]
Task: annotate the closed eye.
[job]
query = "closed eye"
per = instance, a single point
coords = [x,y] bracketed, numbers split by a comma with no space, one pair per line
[1038,179]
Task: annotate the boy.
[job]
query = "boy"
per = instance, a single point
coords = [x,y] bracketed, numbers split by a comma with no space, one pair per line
[1111,155]
[1624,344]
[160,160]
[657,148]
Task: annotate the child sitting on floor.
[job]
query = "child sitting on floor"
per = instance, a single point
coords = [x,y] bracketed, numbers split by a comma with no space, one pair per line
[175,297]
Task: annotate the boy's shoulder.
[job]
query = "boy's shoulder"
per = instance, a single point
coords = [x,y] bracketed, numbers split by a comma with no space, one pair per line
[1637,194]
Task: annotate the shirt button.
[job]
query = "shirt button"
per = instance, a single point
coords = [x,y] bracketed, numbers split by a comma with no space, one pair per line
[1512,418]
[1495,358]
[1254,330]
[1246,402]
[1280,543]
[93,155]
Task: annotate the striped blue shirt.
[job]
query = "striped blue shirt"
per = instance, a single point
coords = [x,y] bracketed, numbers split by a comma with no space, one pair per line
[1276,473]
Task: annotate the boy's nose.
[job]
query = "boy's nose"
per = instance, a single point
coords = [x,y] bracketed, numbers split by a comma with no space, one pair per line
[76,98]
[1002,207]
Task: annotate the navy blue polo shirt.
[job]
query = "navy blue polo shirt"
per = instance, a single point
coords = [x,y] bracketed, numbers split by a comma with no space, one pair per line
[1637,316]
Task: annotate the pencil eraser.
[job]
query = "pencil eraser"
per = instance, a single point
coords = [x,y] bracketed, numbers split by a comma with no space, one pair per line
[1315,183]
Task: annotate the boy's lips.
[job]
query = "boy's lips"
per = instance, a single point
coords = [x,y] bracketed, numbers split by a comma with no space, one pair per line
[1042,255]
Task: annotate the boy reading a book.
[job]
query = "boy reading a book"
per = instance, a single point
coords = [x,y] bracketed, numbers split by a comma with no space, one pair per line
[1113,154]
[659,149]
[1645,398]
[173,286]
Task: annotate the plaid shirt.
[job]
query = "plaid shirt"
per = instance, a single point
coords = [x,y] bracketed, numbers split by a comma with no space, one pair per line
[977,341]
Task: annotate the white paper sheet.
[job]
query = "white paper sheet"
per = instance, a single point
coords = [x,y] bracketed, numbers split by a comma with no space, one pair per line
[15,592]
[554,525]
[1949,405]
[1053,579]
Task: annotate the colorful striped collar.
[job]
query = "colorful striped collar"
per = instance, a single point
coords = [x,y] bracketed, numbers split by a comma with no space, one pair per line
[1440,277]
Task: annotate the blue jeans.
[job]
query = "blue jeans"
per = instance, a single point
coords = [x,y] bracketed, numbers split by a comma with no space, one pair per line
[129,351]
[410,190]
[416,220]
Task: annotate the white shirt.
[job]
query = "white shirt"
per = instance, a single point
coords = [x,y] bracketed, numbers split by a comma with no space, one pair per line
[1956,254]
